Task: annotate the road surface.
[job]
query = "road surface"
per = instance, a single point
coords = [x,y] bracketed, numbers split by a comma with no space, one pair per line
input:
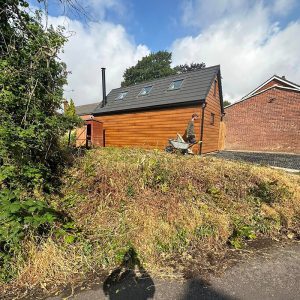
[272,274]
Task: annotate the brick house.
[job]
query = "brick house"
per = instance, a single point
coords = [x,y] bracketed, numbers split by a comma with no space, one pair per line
[148,114]
[92,130]
[266,119]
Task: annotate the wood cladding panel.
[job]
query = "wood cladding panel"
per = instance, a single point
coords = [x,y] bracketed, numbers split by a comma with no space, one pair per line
[211,131]
[152,129]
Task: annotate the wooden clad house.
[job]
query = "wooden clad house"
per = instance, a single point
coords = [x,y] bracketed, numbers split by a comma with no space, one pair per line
[149,113]
[266,119]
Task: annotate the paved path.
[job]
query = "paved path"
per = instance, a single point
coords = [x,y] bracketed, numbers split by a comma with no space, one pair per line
[281,160]
[275,274]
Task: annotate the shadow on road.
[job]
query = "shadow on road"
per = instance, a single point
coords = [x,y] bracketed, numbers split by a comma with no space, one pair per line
[198,289]
[130,280]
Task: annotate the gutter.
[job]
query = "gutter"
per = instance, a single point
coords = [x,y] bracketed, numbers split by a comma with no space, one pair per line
[202,128]
[148,108]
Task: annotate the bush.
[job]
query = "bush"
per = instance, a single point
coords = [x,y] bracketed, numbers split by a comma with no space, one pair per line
[18,218]
[31,157]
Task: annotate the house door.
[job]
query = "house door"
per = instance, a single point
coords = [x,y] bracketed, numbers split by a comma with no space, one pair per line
[88,135]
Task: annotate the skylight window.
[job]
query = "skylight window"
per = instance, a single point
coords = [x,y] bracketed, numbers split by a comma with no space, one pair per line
[176,84]
[122,95]
[145,91]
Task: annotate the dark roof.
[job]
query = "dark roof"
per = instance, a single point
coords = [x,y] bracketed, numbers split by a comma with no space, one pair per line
[86,109]
[195,87]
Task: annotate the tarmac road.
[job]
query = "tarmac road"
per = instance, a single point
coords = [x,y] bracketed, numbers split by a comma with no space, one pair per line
[272,274]
[280,160]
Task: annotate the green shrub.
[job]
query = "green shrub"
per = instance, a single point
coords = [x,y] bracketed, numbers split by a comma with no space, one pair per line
[270,192]
[18,217]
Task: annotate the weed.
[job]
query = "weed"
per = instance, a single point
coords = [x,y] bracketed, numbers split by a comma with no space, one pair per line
[130,191]
[241,232]
[204,231]
[270,192]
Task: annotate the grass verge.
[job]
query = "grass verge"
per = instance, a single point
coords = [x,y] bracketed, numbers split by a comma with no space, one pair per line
[177,212]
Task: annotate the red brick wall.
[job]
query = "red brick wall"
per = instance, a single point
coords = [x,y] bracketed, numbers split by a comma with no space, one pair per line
[269,121]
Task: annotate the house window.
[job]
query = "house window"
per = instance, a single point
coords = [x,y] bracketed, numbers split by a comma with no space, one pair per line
[121,96]
[212,119]
[145,91]
[215,87]
[176,84]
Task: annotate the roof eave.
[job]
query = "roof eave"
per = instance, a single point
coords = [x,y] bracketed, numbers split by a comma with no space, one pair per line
[269,80]
[156,107]
[258,93]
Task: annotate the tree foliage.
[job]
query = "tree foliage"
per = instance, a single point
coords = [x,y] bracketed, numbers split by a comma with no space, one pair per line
[31,88]
[226,103]
[156,65]
[189,67]
[71,116]
[71,111]
[152,66]
[31,81]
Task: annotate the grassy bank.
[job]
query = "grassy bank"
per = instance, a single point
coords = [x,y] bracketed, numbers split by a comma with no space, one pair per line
[175,211]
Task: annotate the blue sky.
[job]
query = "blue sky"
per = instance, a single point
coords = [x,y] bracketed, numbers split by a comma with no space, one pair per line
[155,23]
[251,40]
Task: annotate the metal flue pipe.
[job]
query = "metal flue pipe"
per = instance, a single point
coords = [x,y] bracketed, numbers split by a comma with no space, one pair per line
[103,87]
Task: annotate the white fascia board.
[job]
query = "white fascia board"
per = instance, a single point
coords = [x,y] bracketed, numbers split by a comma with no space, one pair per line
[262,91]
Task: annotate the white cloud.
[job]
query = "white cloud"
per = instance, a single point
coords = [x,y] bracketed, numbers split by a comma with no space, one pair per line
[91,47]
[202,13]
[98,8]
[249,47]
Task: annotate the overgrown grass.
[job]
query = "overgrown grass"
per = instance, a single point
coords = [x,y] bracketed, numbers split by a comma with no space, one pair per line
[173,210]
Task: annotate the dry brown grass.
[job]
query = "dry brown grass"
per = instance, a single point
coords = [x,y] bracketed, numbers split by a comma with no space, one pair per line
[174,210]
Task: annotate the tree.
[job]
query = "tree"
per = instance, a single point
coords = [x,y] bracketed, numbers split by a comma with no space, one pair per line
[187,68]
[156,65]
[226,103]
[70,112]
[152,66]
[31,157]
[31,80]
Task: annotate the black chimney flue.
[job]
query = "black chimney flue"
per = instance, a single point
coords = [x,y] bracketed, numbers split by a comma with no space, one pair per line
[103,87]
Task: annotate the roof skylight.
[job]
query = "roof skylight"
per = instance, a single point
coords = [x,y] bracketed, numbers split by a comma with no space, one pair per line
[176,84]
[122,95]
[145,90]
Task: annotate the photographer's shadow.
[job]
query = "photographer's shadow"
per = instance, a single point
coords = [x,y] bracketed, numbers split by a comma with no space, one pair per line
[130,280]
